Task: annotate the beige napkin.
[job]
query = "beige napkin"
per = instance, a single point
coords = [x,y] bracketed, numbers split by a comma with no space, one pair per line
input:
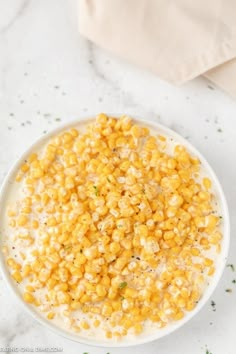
[176,39]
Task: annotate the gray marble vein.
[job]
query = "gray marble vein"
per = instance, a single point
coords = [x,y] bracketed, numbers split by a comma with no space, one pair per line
[96,69]
[127,98]
[19,12]
[22,325]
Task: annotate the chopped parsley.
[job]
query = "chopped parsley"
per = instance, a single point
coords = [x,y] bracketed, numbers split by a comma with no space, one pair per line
[234,281]
[67,247]
[219,130]
[228,290]
[213,305]
[96,190]
[231,266]
[123,285]
[208,352]
[108,179]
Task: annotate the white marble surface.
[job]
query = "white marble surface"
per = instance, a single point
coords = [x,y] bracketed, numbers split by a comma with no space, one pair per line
[49,75]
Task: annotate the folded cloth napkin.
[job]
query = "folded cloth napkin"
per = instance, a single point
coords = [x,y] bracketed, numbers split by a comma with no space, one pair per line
[177,39]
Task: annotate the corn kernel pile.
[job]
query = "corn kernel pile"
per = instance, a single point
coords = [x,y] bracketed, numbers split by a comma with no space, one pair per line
[114,227]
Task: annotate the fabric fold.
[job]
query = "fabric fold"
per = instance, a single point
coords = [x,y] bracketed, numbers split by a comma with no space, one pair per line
[177,40]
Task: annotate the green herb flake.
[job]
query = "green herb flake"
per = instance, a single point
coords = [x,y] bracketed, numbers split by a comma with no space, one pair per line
[231,266]
[234,281]
[57,119]
[213,305]
[219,130]
[123,285]
[108,179]
[228,290]
[67,247]
[208,352]
[96,190]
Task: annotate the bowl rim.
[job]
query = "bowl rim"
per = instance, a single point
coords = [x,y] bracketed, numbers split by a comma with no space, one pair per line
[42,139]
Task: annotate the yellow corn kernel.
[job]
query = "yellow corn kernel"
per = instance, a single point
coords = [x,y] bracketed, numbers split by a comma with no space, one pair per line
[17,276]
[51,221]
[141,230]
[50,315]
[114,247]
[24,168]
[11,212]
[207,183]
[195,251]
[29,298]
[96,323]
[118,235]
[22,220]
[75,305]
[84,325]
[32,157]
[11,262]
[29,288]
[127,323]
[101,290]
[106,310]
[19,177]
[74,132]
[76,328]
[190,305]
[179,315]
[184,292]
[35,224]
[208,262]
[130,292]
[211,271]
[63,297]
[138,328]
[26,270]
[62,287]
[108,334]
[26,210]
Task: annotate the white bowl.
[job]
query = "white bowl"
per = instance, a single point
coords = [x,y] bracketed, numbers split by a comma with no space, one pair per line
[217,189]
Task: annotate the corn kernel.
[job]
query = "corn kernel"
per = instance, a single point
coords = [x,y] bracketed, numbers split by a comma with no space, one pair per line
[50,315]
[29,298]
[84,325]
[96,323]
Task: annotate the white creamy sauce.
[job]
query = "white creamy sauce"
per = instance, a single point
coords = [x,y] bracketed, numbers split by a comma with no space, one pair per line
[16,192]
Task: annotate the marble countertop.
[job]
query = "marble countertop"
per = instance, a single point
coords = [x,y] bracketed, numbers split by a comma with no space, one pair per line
[49,75]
